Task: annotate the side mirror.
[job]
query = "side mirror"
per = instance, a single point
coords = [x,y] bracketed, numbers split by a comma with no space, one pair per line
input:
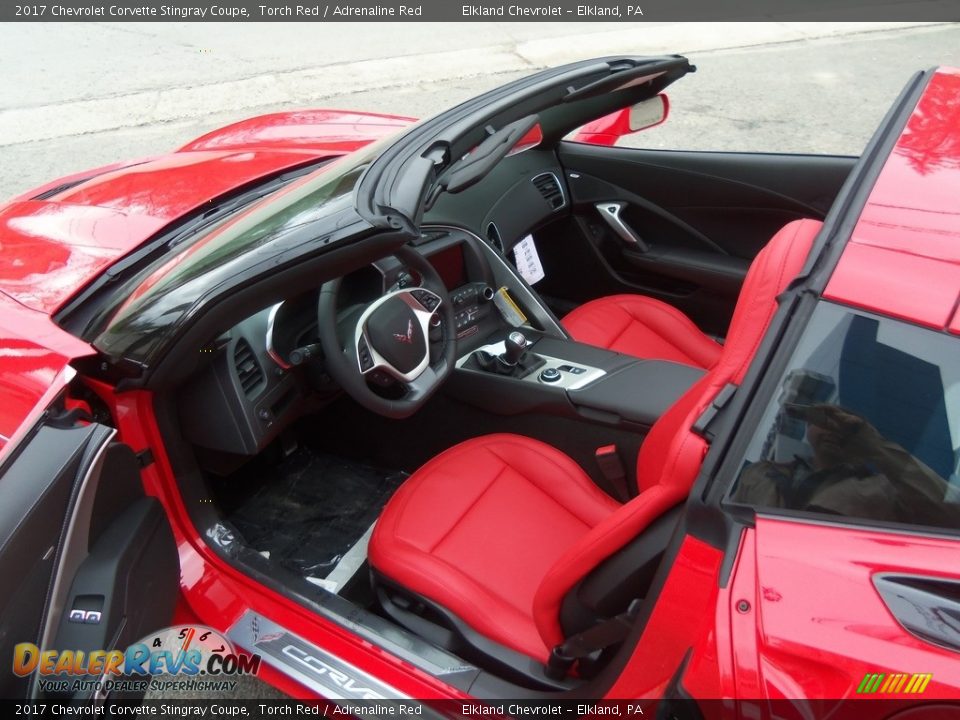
[610,128]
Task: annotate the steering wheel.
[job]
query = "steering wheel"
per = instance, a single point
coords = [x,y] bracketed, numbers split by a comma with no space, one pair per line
[390,341]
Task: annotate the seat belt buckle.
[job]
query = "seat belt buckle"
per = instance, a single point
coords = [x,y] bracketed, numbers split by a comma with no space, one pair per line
[559,664]
[587,647]
[613,470]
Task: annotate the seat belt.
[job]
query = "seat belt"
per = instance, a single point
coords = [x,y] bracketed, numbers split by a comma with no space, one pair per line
[611,466]
[591,641]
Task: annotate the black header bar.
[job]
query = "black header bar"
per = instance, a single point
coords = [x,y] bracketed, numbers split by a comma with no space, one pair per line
[637,11]
[365,709]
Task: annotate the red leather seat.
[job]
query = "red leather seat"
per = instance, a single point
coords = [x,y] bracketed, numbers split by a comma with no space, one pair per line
[643,327]
[499,528]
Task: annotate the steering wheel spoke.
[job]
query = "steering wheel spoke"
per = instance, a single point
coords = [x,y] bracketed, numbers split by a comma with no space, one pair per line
[420,306]
[422,384]
[391,339]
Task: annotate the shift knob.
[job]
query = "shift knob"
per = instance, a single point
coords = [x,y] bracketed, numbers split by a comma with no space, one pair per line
[514,347]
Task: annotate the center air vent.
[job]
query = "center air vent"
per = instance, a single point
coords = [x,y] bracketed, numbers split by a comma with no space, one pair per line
[549,187]
[249,371]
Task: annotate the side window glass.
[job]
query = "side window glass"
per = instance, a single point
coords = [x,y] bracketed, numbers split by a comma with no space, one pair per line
[866,425]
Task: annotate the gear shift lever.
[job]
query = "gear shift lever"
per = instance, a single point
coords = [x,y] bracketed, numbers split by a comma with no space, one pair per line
[514,347]
[515,361]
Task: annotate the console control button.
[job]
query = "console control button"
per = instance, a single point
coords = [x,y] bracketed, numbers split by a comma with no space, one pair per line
[549,375]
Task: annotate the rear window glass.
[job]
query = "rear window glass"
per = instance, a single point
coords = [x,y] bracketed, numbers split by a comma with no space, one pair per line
[865,424]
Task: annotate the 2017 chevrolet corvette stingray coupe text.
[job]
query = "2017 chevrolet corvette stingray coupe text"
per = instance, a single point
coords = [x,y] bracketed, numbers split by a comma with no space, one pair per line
[488,407]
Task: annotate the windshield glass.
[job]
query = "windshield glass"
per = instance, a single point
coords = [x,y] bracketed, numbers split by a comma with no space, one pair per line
[148,307]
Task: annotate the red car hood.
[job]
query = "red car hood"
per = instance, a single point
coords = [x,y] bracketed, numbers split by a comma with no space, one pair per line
[53,246]
[50,248]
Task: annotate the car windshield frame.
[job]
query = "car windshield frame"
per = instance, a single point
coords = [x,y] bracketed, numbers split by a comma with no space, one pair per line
[383,186]
[149,307]
[405,177]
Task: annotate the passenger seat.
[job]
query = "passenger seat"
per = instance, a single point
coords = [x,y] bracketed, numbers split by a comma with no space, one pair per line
[653,330]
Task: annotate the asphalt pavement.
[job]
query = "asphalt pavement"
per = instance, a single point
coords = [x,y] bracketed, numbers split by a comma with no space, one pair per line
[74,96]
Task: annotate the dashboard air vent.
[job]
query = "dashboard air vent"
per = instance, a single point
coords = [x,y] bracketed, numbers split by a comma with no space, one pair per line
[549,187]
[493,237]
[248,369]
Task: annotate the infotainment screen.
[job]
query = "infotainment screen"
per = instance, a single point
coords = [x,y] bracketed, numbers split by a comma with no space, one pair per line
[449,265]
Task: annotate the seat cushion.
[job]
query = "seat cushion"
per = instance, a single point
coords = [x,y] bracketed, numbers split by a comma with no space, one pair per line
[643,327]
[477,528]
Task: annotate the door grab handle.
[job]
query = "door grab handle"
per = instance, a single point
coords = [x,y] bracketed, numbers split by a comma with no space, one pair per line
[610,212]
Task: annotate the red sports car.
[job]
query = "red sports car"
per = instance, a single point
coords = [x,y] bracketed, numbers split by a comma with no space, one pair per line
[488,408]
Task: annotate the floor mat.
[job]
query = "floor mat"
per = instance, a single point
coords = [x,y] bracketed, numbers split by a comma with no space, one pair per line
[311,509]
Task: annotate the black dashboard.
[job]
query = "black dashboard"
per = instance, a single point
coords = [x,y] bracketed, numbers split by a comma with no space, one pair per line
[253,381]
[522,194]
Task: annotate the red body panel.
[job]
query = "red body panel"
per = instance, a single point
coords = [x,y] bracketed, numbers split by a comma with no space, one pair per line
[816,624]
[75,177]
[903,259]
[683,613]
[54,247]
[34,355]
[317,132]
[51,248]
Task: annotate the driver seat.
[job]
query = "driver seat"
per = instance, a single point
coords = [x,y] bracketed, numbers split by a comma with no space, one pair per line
[498,529]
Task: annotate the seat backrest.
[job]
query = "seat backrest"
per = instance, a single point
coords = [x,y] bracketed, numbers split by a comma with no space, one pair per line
[672,453]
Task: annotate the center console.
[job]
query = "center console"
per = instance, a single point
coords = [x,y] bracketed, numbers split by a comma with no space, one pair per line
[571,379]
[516,359]
[535,367]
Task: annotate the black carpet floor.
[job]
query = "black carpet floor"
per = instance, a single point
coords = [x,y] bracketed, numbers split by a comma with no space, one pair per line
[310,508]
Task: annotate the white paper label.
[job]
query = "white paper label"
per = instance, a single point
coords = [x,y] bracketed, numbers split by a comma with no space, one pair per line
[528,261]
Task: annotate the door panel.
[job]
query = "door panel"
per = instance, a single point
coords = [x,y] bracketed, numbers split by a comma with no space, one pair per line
[34,496]
[698,219]
[820,622]
[95,558]
[129,577]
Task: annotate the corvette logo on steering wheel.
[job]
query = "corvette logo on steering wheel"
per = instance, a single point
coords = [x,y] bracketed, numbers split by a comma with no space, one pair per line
[408,338]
